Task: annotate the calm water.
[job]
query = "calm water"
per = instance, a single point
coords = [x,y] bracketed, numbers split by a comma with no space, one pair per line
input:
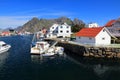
[18,64]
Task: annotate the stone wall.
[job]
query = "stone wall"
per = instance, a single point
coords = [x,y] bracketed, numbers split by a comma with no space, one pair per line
[76,49]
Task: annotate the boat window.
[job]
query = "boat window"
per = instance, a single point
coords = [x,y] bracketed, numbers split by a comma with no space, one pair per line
[4,44]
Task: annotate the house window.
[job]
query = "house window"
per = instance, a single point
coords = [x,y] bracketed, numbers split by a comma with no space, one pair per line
[67,31]
[103,38]
[119,31]
[53,31]
[61,31]
[104,30]
[79,37]
[61,26]
[56,31]
[67,27]
[90,38]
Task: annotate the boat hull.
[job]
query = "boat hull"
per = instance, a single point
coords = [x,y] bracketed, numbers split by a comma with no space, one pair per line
[4,49]
[36,51]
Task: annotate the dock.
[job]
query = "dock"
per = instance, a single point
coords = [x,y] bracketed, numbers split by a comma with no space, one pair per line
[88,50]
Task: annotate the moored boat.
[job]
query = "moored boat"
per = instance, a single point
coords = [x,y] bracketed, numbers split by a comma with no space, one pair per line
[4,47]
[40,47]
[59,50]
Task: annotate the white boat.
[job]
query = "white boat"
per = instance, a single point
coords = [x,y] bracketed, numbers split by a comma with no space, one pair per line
[50,52]
[40,47]
[43,47]
[4,47]
[59,50]
[54,50]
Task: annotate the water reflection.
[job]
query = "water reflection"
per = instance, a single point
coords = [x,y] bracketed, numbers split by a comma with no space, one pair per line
[3,57]
[40,59]
[101,67]
[43,59]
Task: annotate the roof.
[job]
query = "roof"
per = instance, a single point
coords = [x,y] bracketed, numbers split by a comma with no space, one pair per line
[2,42]
[89,32]
[110,23]
[5,32]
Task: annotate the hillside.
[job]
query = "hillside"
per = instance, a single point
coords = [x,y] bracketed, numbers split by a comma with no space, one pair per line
[36,24]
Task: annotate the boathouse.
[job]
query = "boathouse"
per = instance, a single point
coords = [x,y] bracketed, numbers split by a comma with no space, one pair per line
[94,36]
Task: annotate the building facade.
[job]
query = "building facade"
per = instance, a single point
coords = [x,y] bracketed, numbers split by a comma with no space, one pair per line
[91,25]
[94,36]
[59,30]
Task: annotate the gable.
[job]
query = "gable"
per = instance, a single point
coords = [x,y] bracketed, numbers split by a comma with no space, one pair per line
[103,33]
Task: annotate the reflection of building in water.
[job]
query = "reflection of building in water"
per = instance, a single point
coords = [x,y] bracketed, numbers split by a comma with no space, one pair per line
[3,58]
[100,67]
[102,70]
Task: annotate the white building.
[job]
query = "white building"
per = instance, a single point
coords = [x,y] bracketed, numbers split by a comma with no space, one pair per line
[59,30]
[91,25]
[95,36]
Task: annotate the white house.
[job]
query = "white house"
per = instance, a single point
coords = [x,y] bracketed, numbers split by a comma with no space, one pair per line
[59,30]
[95,36]
[91,25]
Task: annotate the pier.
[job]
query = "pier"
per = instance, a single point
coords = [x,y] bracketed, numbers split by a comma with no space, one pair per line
[89,51]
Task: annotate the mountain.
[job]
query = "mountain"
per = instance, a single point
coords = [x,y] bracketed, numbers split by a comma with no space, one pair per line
[36,24]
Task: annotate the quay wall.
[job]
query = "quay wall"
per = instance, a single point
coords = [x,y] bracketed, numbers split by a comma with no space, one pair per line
[89,51]
[76,49]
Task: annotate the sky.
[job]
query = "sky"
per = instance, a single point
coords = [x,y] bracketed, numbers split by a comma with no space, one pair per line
[14,13]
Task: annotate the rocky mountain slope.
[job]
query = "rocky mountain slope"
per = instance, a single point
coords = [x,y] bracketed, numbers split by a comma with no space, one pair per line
[36,24]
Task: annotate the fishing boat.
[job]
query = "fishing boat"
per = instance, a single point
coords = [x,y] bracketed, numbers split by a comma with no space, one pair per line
[43,47]
[4,47]
[40,47]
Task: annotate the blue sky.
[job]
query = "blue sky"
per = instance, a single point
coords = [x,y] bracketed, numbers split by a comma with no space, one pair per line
[14,13]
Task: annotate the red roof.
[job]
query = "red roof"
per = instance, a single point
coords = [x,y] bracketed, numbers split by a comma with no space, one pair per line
[110,23]
[5,32]
[89,32]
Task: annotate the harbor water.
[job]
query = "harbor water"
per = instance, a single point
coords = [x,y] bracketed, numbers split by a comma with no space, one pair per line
[18,64]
